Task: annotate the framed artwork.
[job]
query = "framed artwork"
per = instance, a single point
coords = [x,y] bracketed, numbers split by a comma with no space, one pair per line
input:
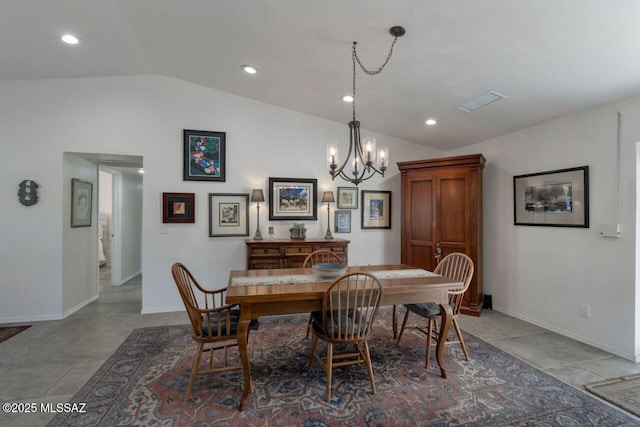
[293,198]
[347,197]
[376,209]
[178,208]
[342,221]
[204,155]
[558,198]
[81,202]
[228,214]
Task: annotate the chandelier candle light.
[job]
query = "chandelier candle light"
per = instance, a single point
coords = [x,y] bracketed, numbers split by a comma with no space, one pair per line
[366,161]
[257,196]
[327,197]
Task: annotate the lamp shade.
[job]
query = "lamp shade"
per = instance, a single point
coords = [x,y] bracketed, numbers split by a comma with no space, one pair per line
[257,196]
[327,197]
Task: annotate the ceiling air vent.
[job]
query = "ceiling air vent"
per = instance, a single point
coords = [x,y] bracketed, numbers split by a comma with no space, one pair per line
[479,102]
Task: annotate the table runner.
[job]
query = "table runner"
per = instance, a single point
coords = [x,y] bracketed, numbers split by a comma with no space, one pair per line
[310,278]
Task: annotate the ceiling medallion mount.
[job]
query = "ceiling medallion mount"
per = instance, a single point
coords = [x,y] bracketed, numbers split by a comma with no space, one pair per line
[364,161]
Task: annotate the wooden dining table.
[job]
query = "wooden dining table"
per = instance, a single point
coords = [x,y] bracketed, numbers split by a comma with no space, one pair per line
[300,290]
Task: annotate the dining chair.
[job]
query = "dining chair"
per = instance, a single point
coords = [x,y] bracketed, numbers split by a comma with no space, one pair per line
[214,324]
[458,267]
[349,307]
[317,257]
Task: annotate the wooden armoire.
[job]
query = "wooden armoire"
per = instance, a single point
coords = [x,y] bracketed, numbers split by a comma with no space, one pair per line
[442,214]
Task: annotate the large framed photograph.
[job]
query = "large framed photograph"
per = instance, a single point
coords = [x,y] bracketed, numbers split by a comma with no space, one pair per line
[204,155]
[293,198]
[342,221]
[81,202]
[178,208]
[347,197]
[558,198]
[228,214]
[376,209]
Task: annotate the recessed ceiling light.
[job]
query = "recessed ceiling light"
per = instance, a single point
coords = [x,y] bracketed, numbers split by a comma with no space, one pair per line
[69,39]
[431,122]
[249,69]
[347,98]
[141,171]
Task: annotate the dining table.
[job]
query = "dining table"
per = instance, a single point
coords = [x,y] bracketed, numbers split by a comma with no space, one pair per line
[300,290]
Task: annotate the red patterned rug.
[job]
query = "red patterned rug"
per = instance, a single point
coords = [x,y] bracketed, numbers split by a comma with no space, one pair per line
[7,332]
[143,383]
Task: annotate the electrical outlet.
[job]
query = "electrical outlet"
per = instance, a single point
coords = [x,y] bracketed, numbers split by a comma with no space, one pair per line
[585,310]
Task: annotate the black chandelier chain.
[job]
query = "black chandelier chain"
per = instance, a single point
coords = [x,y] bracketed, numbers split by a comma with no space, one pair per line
[355,58]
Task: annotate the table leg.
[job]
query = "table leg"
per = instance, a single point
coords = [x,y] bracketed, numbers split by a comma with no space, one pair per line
[447,315]
[243,330]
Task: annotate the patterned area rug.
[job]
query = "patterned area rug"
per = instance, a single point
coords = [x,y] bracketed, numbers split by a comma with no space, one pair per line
[623,392]
[144,381]
[7,332]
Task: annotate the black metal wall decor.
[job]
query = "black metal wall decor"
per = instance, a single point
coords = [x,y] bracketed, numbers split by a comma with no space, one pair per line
[28,192]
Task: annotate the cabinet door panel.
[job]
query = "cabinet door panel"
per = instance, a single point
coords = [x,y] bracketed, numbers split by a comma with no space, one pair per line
[453,211]
[421,210]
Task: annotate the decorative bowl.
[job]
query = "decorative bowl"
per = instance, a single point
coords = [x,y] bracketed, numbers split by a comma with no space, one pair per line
[329,270]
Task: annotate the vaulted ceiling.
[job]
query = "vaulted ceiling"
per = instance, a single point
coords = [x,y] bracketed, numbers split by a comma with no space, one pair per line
[548,57]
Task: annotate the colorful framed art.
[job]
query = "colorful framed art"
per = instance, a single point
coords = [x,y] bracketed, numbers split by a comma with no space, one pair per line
[293,198]
[178,208]
[204,155]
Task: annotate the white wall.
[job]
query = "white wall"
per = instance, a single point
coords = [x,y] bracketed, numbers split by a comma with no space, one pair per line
[544,274]
[79,244]
[145,116]
[130,226]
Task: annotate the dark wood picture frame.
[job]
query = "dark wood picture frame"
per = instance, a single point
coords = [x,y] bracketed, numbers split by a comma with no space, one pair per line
[81,203]
[558,198]
[178,208]
[204,155]
[293,199]
[228,214]
[376,209]
[347,197]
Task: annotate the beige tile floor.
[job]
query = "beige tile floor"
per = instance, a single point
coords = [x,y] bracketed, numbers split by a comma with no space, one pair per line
[50,361]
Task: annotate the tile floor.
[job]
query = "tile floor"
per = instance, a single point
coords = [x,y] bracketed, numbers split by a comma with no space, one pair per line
[50,361]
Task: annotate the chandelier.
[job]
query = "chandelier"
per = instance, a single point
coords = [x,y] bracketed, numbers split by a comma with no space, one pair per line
[362,158]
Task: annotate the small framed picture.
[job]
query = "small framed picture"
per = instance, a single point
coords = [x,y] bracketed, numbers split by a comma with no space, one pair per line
[376,209]
[204,155]
[228,214]
[293,198]
[342,221]
[347,197]
[81,202]
[178,208]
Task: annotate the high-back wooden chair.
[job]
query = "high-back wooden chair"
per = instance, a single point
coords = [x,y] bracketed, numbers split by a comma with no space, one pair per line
[317,257]
[214,324]
[349,308]
[458,267]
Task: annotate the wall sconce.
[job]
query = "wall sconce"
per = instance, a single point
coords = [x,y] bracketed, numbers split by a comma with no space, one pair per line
[327,197]
[257,196]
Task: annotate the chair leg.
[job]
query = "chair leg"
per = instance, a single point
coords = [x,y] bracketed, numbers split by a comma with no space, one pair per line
[394,323]
[329,369]
[459,333]
[194,369]
[430,326]
[367,361]
[404,325]
[314,345]
[308,327]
